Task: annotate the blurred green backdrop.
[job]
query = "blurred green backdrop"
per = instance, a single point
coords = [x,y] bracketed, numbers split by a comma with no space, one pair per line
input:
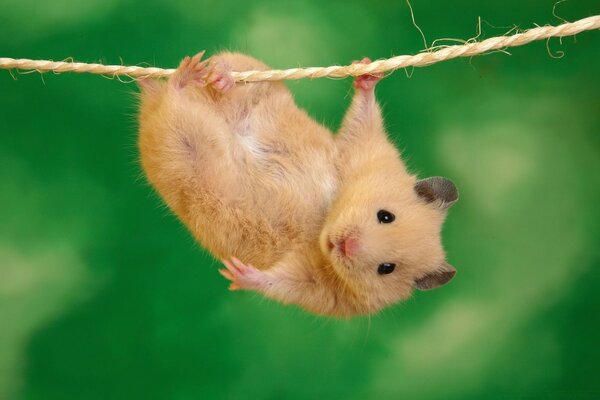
[104,295]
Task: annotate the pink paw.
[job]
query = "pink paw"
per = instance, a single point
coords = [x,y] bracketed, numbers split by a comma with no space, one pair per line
[243,276]
[368,81]
[191,70]
[215,74]
[219,77]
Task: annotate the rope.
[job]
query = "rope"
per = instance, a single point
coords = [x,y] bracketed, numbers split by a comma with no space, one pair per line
[379,66]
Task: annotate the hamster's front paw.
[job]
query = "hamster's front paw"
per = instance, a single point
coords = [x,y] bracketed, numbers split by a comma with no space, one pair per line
[243,276]
[368,81]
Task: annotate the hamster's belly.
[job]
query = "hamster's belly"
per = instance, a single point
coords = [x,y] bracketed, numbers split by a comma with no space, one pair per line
[291,187]
[285,192]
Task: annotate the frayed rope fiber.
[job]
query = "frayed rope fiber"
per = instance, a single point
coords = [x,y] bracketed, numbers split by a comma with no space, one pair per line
[379,66]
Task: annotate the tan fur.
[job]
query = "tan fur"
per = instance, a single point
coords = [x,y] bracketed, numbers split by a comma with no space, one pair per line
[253,176]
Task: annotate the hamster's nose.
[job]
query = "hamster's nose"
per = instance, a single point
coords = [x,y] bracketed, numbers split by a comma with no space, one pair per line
[348,246]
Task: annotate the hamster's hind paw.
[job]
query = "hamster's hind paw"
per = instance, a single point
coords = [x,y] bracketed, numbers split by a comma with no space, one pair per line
[243,276]
[191,71]
[219,77]
[367,81]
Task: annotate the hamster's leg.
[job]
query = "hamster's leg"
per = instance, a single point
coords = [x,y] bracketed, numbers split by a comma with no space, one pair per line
[185,141]
[362,136]
[286,282]
[363,119]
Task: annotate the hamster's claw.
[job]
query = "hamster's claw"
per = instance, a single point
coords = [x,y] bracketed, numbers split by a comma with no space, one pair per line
[243,276]
[215,74]
[367,81]
[191,70]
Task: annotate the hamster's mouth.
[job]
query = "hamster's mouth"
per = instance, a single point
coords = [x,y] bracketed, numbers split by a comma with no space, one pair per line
[330,245]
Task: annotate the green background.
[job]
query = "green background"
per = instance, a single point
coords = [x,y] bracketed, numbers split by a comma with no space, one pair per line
[104,295]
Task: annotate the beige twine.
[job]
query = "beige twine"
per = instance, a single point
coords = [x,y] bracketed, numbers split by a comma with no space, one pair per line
[419,60]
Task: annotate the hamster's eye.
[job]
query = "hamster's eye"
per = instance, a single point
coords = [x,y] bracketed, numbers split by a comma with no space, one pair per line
[386,268]
[385,217]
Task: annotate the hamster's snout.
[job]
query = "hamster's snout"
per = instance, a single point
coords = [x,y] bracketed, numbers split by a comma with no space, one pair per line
[348,246]
[342,244]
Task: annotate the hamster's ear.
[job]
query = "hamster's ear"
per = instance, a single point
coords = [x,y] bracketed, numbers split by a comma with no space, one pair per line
[437,190]
[432,280]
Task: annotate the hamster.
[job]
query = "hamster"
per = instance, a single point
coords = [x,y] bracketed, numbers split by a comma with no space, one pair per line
[332,223]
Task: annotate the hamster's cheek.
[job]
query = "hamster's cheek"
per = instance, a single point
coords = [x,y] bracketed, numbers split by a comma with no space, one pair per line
[401,290]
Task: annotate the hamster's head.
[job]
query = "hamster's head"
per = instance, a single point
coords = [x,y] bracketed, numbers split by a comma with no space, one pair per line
[383,237]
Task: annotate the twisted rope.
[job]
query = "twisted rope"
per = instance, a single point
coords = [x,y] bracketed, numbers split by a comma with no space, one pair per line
[379,66]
